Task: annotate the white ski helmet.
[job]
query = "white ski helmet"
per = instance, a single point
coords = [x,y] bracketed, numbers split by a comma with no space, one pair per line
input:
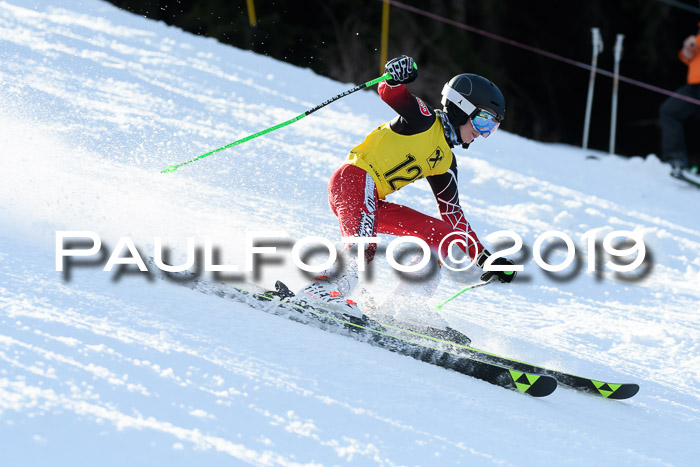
[465,94]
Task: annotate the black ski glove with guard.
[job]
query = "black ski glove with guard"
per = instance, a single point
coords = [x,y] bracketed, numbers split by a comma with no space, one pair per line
[403,70]
[503,276]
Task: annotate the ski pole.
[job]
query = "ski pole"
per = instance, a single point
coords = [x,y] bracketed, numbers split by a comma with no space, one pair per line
[616,84]
[597,49]
[469,287]
[174,167]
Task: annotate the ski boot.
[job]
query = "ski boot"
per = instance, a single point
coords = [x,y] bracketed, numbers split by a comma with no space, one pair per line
[331,292]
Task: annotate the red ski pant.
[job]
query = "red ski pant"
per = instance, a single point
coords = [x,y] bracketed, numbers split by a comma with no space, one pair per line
[352,195]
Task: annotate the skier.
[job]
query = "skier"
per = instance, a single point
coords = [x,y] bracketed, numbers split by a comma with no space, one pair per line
[416,144]
[675,112]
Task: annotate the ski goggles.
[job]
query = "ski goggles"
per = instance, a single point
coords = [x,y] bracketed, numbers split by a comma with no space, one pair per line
[485,122]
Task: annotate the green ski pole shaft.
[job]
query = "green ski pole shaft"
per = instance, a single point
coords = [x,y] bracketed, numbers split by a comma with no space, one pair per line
[469,287]
[174,167]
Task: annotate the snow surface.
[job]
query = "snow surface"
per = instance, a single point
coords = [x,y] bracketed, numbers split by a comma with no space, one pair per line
[107,369]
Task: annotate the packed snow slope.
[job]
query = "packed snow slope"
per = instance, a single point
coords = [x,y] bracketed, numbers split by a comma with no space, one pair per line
[105,369]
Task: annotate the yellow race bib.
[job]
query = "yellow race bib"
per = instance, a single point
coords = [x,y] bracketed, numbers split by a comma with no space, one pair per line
[395,160]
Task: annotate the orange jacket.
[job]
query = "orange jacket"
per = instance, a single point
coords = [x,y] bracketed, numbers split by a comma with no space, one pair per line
[694,63]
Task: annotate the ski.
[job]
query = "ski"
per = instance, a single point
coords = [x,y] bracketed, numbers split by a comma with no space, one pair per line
[373,333]
[461,344]
[681,176]
[588,385]
[579,383]
[436,349]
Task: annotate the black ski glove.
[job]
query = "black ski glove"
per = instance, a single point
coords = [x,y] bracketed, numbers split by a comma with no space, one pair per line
[503,276]
[403,70]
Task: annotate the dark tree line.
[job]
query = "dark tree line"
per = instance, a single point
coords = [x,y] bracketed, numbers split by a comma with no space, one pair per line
[545,98]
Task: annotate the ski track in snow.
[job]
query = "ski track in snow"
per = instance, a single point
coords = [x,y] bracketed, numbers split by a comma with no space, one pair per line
[94,102]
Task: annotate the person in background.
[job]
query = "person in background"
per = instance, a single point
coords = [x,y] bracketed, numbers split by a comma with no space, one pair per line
[675,112]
